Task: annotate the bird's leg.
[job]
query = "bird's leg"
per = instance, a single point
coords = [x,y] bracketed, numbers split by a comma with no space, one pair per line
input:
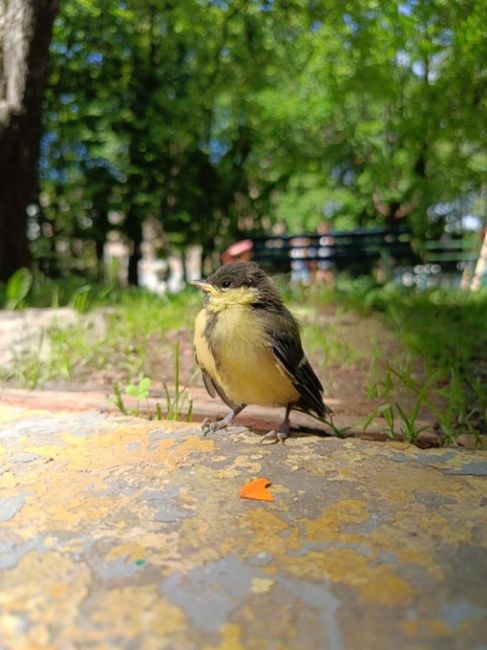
[282,431]
[208,426]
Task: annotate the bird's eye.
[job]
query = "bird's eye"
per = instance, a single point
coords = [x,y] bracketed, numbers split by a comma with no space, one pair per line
[249,282]
[226,284]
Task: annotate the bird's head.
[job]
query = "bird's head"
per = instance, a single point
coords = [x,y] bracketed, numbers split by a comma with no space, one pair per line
[242,283]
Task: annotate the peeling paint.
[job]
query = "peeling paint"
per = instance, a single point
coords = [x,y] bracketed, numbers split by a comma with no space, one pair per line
[10,506]
[210,592]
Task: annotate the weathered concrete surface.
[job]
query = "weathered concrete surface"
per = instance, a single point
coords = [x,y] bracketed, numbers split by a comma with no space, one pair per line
[128,534]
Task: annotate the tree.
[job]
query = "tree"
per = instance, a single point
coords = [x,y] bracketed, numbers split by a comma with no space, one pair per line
[212,119]
[149,106]
[25,34]
[389,113]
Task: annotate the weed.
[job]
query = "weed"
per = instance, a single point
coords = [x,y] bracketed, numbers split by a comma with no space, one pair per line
[27,367]
[140,391]
[18,287]
[117,399]
[408,423]
[385,411]
[178,404]
[439,366]
[80,299]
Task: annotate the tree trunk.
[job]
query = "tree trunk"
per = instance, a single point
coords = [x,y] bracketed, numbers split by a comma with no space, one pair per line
[25,34]
[480,267]
[184,265]
[100,259]
[133,228]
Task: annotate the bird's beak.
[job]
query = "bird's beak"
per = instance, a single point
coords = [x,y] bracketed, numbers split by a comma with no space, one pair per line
[205,286]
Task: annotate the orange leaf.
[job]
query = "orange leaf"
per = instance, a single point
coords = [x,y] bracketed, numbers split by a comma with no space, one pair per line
[257,489]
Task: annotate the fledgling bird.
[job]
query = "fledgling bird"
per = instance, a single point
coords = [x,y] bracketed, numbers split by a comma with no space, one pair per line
[248,346]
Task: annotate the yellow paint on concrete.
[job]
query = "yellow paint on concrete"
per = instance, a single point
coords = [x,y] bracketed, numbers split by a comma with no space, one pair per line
[376,538]
[61,507]
[8,481]
[262,529]
[334,517]
[42,597]
[399,488]
[376,583]
[131,552]
[175,426]
[190,445]
[430,627]
[14,413]
[44,451]
[261,585]
[231,638]
[234,467]
[278,489]
[137,612]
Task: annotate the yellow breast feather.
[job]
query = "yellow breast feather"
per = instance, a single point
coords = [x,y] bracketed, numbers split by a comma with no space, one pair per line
[246,368]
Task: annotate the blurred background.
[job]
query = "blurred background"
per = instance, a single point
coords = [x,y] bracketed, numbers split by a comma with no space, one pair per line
[170,130]
[341,144]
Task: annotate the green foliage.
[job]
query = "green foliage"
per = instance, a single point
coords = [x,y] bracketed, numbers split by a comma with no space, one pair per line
[385,411]
[141,390]
[117,341]
[178,404]
[175,143]
[392,411]
[209,119]
[80,299]
[18,287]
[175,404]
[27,369]
[117,399]
[442,374]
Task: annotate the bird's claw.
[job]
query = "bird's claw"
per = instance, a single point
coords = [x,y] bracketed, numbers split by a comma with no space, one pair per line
[273,437]
[210,426]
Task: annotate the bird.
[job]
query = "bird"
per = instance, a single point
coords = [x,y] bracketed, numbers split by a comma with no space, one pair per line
[248,347]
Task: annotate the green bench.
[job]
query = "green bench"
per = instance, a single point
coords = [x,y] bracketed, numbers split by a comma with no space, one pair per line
[359,251]
[343,249]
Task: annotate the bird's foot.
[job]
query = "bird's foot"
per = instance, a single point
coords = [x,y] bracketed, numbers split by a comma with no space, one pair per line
[210,426]
[272,437]
[278,435]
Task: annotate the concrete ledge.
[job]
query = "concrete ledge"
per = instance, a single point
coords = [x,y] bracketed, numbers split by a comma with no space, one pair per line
[347,415]
[122,533]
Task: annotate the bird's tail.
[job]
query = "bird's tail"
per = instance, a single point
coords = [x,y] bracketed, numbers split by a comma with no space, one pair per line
[325,417]
[317,406]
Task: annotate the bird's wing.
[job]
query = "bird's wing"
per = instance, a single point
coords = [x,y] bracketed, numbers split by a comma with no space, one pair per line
[209,385]
[212,386]
[286,346]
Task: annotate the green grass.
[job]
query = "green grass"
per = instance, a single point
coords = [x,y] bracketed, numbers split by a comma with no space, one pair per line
[176,401]
[118,343]
[441,361]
